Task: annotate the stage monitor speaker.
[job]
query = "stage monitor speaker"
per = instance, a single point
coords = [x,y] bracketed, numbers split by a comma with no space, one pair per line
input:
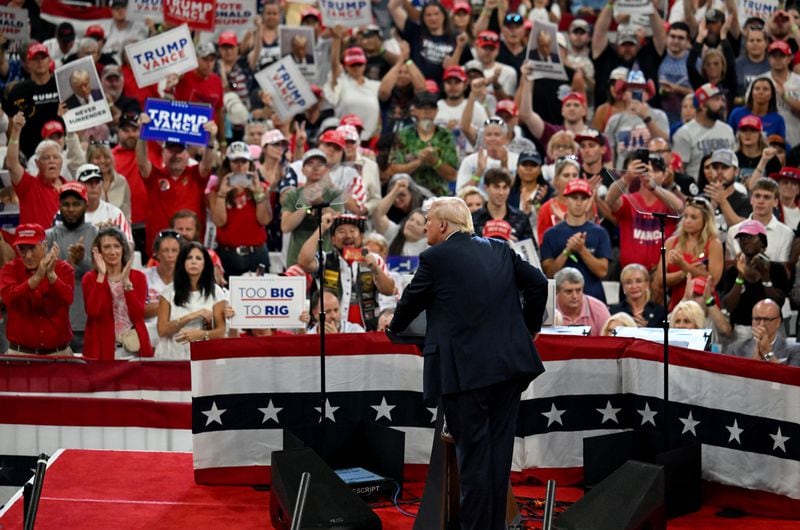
[330,503]
[631,498]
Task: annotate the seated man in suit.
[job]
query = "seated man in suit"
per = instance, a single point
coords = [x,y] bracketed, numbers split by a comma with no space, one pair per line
[80,82]
[478,353]
[766,343]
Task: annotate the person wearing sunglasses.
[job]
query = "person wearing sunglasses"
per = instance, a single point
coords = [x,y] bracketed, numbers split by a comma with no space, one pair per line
[503,78]
[751,278]
[513,43]
[98,211]
[767,343]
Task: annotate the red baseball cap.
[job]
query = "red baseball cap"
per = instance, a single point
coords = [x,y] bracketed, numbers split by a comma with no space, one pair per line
[455,72]
[37,48]
[352,119]
[73,187]
[228,38]
[431,86]
[789,173]
[488,38]
[574,96]
[462,6]
[578,186]
[333,137]
[780,46]
[96,32]
[354,55]
[751,122]
[498,228]
[52,127]
[311,12]
[29,234]
[508,106]
[592,135]
[706,92]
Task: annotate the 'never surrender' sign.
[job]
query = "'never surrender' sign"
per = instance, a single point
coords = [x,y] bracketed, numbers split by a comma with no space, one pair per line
[176,121]
[290,92]
[269,301]
[197,14]
[171,52]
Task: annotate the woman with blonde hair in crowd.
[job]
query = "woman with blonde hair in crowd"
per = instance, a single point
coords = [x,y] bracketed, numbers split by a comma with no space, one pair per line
[560,144]
[115,188]
[473,197]
[687,315]
[617,320]
[635,283]
[693,249]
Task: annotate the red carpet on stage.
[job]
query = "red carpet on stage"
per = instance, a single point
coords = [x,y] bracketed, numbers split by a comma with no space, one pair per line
[135,490]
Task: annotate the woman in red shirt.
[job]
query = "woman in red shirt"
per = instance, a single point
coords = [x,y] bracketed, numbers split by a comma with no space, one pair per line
[241,211]
[114,298]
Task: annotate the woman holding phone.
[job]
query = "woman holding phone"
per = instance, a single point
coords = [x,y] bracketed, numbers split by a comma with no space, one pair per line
[240,210]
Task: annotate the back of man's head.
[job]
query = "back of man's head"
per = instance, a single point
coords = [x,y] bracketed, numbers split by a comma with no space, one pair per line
[453,210]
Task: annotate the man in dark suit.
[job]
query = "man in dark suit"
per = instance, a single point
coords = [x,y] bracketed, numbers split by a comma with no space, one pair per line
[478,353]
[82,92]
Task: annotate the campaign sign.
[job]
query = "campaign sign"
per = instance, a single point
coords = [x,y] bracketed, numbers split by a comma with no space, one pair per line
[176,121]
[290,92]
[236,16]
[299,42]
[81,92]
[543,52]
[762,9]
[269,301]
[197,14]
[14,23]
[141,10]
[402,264]
[633,7]
[348,13]
[171,52]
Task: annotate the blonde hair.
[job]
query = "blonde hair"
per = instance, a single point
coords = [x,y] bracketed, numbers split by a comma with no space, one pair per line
[557,137]
[693,312]
[452,210]
[632,268]
[623,318]
[709,230]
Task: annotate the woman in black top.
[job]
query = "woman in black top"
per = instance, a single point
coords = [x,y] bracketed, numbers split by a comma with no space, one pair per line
[635,282]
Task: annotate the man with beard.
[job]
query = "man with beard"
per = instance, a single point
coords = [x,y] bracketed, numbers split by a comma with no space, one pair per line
[451,108]
[707,132]
[125,162]
[176,185]
[113,83]
[37,289]
[731,205]
[36,98]
[357,276]
[72,237]
[425,151]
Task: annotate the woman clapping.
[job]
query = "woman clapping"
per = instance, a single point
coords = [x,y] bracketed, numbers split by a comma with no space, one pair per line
[114,298]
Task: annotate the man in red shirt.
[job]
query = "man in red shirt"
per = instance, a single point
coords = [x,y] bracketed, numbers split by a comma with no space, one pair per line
[37,289]
[175,185]
[125,163]
[202,85]
[38,196]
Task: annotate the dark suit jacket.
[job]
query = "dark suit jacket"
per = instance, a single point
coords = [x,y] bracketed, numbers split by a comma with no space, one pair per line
[73,102]
[478,332]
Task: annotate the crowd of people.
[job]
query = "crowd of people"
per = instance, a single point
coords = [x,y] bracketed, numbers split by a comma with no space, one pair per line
[692,115]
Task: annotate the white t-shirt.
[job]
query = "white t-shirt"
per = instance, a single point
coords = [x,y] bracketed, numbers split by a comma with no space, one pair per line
[469,166]
[507,78]
[791,217]
[692,141]
[350,97]
[447,113]
[779,241]
[155,286]
[167,348]
[107,212]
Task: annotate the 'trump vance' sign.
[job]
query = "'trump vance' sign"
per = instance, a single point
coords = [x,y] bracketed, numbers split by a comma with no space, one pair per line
[198,14]
[171,52]
[348,13]
[176,121]
[289,90]
[269,301]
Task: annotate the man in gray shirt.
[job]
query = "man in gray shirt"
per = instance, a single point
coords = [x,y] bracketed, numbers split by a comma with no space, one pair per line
[74,236]
[767,344]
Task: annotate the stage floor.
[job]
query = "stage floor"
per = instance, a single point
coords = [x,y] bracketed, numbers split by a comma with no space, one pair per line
[87,489]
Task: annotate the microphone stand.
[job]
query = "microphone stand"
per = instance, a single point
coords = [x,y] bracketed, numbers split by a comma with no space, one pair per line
[317,209]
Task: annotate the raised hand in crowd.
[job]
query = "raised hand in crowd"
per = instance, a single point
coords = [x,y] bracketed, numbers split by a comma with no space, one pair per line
[76,252]
[100,264]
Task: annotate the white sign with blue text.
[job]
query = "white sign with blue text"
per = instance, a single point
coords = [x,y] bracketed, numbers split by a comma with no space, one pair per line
[171,52]
[269,301]
[290,92]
